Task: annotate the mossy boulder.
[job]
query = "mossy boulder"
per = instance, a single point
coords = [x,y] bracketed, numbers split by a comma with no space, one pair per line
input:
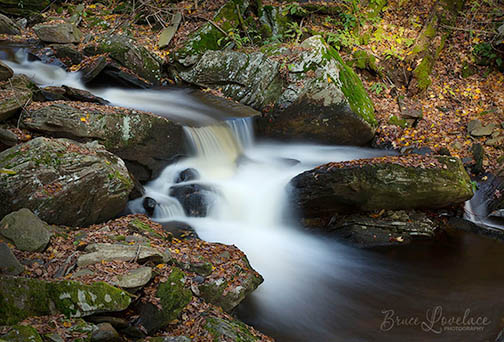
[63,182]
[322,100]
[207,37]
[174,297]
[9,264]
[131,55]
[12,101]
[146,142]
[21,298]
[222,329]
[25,230]
[381,183]
[224,293]
[23,8]
[62,33]
[22,333]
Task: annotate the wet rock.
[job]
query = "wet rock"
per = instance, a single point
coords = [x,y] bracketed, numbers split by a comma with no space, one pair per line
[380,184]
[390,229]
[62,33]
[25,230]
[80,95]
[145,142]
[7,26]
[135,278]
[11,102]
[46,175]
[500,337]
[114,75]
[116,322]
[131,55]
[174,297]
[105,333]
[7,137]
[222,329]
[478,153]
[149,204]
[194,198]
[323,100]
[109,252]
[67,53]
[47,56]
[187,175]
[180,230]
[92,69]
[8,263]
[5,72]
[21,298]
[22,333]
[53,93]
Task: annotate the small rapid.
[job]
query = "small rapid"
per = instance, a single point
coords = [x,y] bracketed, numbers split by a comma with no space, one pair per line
[315,288]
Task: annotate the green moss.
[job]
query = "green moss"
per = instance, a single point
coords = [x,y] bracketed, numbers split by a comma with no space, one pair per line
[394,120]
[173,295]
[352,87]
[223,329]
[422,72]
[22,333]
[74,299]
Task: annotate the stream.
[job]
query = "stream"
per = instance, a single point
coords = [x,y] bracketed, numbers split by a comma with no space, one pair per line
[315,288]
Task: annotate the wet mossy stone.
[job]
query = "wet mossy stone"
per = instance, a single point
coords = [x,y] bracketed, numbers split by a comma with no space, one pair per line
[21,298]
[46,175]
[322,101]
[207,37]
[173,298]
[335,188]
[131,55]
[146,142]
[223,329]
[22,333]
[25,230]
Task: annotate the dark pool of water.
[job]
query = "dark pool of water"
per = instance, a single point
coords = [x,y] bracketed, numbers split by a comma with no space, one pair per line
[445,278]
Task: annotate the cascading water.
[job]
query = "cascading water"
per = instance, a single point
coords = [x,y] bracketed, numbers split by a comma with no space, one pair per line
[315,288]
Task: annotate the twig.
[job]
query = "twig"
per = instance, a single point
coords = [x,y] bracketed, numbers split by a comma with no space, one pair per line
[467,30]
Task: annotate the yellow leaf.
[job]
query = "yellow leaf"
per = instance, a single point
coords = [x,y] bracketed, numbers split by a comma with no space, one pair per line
[329,79]
[83,119]
[160,266]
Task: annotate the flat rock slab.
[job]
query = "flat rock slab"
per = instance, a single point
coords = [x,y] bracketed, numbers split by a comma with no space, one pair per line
[135,278]
[5,72]
[62,33]
[11,102]
[25,230]
[9,264]
[99,252]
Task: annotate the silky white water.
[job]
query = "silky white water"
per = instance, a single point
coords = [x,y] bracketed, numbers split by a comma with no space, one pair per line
[315,289]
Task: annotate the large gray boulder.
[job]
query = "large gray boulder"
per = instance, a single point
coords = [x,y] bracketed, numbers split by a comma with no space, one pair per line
[7,26]
[407,182]
[62,33]
[25,230]
[144,141]
[63,182]
[316,97]
[99,252]
[12,101]
[21,298]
